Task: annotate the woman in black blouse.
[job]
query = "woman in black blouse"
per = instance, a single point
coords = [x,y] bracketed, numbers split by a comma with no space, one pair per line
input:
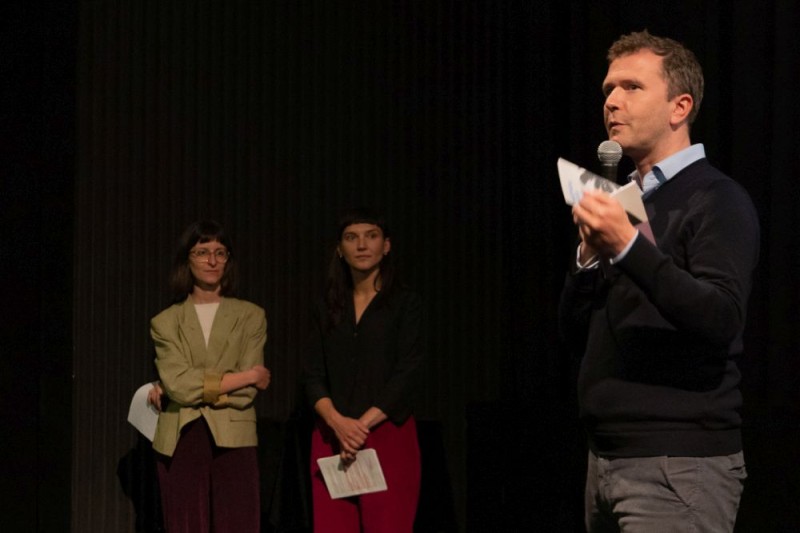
[360,372]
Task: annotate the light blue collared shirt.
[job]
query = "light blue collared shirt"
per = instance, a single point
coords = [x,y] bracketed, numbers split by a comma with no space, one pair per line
[662,172]
[665,170]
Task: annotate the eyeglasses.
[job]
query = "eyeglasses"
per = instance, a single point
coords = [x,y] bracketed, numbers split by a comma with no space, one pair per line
[204,256]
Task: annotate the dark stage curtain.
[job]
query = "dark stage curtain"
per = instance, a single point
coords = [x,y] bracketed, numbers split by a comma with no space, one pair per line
[447,115]
[37,159]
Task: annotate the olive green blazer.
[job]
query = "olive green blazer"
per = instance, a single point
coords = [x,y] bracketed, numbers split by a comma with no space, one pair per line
[191,373]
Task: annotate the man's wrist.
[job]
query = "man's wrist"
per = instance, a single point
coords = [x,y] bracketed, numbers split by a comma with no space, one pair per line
[621,255]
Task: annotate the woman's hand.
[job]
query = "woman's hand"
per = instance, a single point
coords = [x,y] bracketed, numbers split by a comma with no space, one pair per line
[351,433]
[372,417]
[262,376]
[154,395]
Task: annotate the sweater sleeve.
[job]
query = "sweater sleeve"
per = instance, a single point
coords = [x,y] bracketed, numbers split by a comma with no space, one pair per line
[717,246]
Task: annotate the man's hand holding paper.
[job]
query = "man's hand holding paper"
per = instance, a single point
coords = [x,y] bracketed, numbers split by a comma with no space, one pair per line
[576,180]
[607,215]
[603,224]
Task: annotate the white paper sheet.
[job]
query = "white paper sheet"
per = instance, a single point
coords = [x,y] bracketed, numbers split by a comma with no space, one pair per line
[362,476]
[575,180]
[141,414]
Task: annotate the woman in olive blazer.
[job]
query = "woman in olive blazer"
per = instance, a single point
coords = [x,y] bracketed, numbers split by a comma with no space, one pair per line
[210,359]
[191,372]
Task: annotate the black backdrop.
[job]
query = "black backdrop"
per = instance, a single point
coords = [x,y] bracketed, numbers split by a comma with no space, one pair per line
[124,120]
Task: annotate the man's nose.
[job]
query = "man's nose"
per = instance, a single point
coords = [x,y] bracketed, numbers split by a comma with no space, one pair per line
[612,100]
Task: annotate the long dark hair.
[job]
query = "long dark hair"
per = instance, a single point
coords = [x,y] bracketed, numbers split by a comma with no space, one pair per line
[339,286]
[181,281]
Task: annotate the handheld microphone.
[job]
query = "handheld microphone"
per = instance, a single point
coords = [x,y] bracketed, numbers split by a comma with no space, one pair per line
[609,153]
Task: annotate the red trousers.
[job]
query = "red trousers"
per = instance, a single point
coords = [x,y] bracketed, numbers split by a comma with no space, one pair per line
[205,488]
[390,511]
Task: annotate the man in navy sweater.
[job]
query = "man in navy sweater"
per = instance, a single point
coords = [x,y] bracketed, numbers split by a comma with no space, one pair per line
[659,313]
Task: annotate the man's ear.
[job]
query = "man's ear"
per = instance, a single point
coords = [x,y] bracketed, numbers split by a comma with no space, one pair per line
[682,105]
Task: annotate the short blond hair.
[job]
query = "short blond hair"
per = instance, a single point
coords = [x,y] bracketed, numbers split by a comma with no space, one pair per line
[679,65]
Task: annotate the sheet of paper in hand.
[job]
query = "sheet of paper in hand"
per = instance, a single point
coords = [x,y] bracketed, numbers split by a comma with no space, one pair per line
[141,414]
[362,476]
[575,180]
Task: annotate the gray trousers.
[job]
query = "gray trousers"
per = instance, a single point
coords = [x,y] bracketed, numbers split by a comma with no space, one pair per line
[663,494]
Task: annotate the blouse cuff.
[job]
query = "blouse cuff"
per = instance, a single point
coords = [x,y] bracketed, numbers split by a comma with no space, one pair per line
[211,387]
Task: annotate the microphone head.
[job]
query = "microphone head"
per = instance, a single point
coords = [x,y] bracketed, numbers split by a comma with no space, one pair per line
[609,153]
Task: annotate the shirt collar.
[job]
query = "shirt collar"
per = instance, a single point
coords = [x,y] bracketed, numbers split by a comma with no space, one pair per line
[666,169]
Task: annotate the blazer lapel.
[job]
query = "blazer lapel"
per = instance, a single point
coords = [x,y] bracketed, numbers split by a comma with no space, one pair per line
[224,322]
[192,332]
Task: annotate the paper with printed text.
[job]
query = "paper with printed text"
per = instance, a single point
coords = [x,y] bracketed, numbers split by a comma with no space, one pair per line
[362,476]
[575,180]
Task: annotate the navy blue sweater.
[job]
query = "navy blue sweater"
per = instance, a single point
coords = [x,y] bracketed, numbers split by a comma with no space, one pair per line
[660,330]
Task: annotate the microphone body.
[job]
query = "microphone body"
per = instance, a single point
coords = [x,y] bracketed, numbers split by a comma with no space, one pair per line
[609,153]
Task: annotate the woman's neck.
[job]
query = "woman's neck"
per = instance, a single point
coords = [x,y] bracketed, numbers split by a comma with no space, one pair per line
[202,295]
[365,283]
